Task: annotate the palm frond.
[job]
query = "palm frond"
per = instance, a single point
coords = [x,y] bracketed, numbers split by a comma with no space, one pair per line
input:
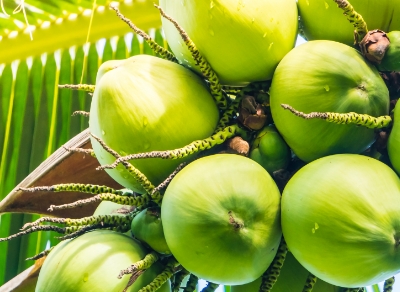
[61,24]
[35,116]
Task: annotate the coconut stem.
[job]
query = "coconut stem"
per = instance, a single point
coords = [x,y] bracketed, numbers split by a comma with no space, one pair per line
[345,118]
[137,174]
[113,220]
[176,285]
[74,187]
[71,231]
[388,285]
[165,183]
[80,150]
[231,89]
[75,231]
[40,255]
[132,279]
[205,68]
[211,287]
[81,113]
[144,182]
[138,201]
[191,283]
[143,264]
[236,225]
[228,114]
[161,51]
[354,289]
[271,275]
[83,87]
[192,148]
[310,282]
[105,146]
[354,18]
[161,278]
[34,229]
[44,219]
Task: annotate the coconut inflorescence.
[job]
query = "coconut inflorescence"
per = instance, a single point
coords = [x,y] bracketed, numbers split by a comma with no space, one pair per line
[175,130]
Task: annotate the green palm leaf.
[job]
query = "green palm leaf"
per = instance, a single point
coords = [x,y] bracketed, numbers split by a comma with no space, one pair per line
[66,23]
[35,116]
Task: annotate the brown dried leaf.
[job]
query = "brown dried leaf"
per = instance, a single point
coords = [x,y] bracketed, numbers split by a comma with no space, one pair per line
[61,167]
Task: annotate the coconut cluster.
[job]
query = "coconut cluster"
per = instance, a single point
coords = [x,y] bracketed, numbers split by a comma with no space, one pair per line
[246,161]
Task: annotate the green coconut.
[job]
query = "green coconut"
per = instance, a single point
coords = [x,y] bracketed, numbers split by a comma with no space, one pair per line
[341,219]
[146,103]
[326,76]
[270,150]
[292,278]
[391,60]
[242,40]
[221,218]
[147,227]
[323,20]
[92,262]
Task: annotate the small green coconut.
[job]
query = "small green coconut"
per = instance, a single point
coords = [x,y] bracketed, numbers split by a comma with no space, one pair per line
[270,150]
[391,60]
[147,227]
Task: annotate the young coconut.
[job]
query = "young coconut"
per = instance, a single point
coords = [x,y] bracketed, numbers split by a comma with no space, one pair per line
[270,150]
[391,60]
[147,228]
[145,103]
[92,262]
[331,24]
[221,218]
[340,219]
[260,34]
[326,76]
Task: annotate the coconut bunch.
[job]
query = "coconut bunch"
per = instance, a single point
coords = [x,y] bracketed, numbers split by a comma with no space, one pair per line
[245,161]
